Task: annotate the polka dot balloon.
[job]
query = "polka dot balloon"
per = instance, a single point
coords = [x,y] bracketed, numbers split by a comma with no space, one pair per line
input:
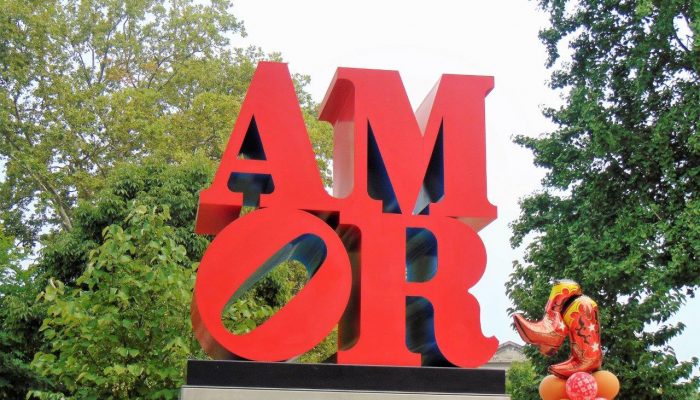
[581,386]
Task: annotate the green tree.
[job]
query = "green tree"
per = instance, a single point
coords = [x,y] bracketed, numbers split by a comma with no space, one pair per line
[67,254]
[152,183]
[522,381]
[123,332]
[85,84]
[20,317]
[620,208]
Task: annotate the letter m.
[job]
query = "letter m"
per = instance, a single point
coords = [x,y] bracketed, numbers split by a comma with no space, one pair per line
[431,162]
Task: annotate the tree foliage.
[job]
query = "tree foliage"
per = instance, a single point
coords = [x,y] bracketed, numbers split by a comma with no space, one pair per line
[20,317]
[88,83]
[620,208]
[123,332]
[85,84]
[522,381]
[152,183]
[107,107]
[64,261]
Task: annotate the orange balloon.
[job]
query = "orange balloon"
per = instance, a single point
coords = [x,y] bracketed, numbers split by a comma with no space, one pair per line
[608,384]
[552,388]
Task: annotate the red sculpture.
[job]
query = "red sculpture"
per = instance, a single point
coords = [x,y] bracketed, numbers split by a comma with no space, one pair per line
[391,256]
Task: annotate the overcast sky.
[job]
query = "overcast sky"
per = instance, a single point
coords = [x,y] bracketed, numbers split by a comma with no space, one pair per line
[422,40]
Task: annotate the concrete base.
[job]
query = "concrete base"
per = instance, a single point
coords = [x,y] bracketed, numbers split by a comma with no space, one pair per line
[211,393]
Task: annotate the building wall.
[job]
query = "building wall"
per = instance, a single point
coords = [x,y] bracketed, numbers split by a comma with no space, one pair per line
[506,354]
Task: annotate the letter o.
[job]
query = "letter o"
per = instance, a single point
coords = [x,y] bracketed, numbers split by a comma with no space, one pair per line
[236,254]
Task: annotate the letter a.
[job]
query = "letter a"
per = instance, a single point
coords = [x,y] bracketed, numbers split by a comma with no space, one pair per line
[268,155]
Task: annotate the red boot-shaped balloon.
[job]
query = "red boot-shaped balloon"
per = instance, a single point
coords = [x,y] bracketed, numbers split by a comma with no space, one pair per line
[581,318]
[549,333]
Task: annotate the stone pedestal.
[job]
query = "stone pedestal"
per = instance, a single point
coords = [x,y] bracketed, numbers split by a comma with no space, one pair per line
[243,380]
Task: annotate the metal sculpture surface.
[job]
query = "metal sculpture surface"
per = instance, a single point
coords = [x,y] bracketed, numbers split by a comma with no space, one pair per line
[391,255]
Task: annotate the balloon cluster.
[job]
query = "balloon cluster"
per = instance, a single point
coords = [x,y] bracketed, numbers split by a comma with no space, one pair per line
[568,313]
[601,385]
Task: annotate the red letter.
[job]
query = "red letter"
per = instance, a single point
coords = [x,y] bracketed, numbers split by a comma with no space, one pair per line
[377,334]
[437,156]
[269,152]
[244,250]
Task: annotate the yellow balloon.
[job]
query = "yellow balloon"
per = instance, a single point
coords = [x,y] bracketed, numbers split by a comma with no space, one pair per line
[552,388]
[608,384]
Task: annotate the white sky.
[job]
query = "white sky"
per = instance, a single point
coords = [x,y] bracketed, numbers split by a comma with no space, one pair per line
[422,40]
